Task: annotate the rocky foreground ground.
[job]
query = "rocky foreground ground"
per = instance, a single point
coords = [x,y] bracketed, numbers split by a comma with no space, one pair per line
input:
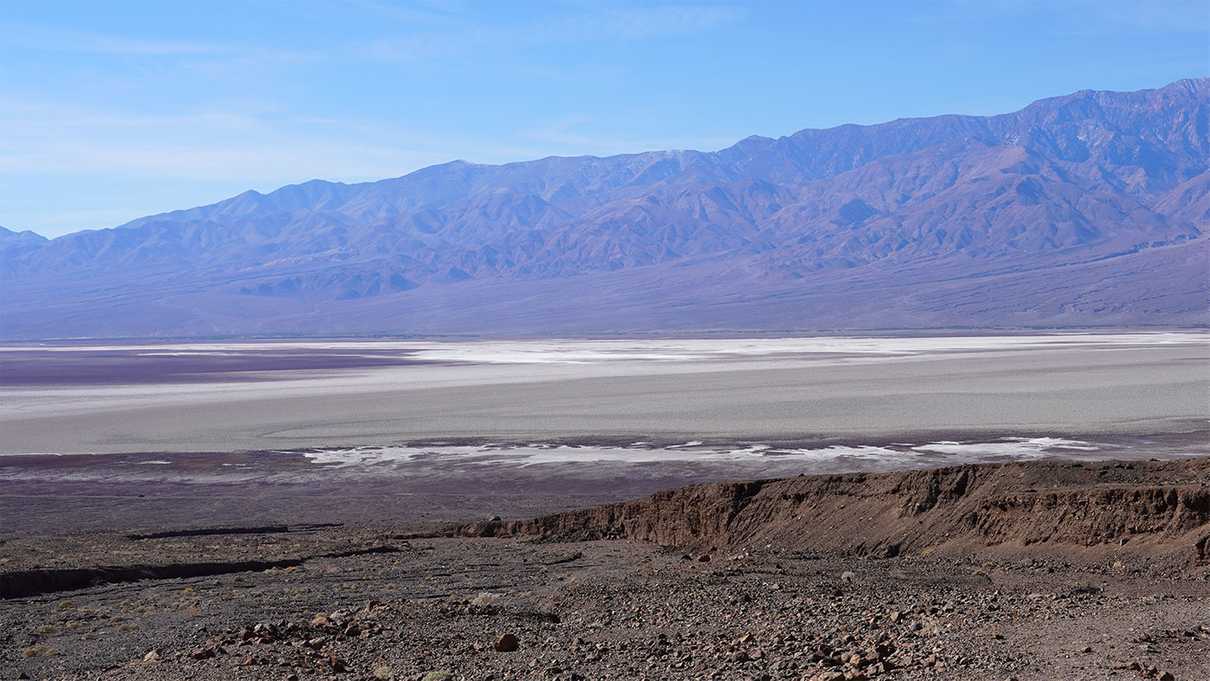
[1026,571]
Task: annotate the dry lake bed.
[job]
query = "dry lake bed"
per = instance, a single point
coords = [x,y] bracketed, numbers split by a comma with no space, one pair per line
[80,398]
[439,430]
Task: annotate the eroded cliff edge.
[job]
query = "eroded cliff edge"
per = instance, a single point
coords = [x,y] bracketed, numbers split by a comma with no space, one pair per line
[1153,510]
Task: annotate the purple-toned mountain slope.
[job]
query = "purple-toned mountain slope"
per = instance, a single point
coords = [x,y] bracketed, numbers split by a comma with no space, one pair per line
[1083,210]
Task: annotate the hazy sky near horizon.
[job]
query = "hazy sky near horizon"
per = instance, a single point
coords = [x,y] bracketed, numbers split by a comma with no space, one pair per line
[111,111]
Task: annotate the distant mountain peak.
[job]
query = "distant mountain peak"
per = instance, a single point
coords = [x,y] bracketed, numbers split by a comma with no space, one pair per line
[1195,86]
[1066,212]
[6,233]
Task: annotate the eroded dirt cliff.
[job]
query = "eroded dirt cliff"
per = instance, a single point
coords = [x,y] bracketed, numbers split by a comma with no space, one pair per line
[1131,509]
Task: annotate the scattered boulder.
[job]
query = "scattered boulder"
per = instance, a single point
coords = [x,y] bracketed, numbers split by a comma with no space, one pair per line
[202,653]
[507,643]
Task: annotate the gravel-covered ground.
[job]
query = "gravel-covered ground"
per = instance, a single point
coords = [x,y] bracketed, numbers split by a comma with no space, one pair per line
[443,608]
[1028,570]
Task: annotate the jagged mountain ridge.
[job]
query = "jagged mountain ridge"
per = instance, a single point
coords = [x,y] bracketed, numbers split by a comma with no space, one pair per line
[1065,182]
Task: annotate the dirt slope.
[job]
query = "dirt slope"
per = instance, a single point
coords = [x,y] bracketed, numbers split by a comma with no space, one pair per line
[1149,509]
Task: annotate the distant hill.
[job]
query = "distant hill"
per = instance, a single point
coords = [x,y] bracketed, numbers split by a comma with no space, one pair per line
[1083,210]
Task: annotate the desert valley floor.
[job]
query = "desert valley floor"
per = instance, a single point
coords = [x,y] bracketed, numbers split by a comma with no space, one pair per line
[982,507]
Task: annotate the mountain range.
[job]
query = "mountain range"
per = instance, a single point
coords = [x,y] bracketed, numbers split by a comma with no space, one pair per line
[1086,210]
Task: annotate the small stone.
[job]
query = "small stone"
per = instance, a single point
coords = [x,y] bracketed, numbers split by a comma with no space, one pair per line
[320,620]
[152,656]
[436,676]
[847,577]
[507,643]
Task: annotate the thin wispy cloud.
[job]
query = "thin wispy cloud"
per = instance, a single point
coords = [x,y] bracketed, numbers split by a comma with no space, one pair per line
[417,32]
[255,148]
[588,24]
[45,39]
[413,11]
[35,39]
[639,23]
[1097,16]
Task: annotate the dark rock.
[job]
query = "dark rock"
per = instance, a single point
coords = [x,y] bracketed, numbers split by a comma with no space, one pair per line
[507,643]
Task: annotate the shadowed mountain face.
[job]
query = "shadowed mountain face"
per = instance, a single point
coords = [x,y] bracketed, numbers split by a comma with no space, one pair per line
[1082,210]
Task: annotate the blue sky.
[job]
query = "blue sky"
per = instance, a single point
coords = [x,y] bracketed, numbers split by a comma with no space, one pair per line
[115,110]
